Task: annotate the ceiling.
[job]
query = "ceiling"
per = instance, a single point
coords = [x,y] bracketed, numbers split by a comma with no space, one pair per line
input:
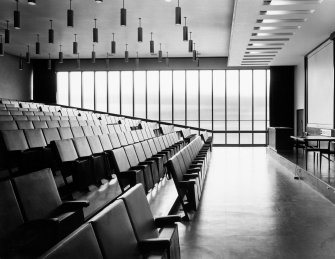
[306,24]
[209,21]
[220,28]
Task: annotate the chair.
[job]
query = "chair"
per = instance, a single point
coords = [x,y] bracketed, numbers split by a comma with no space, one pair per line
[158,158]
[40,124]
[24,124]
[88,131]
[122,139]
[53,124]
[328,151]
[116,236]
[74,123]
[64,123]
[65,133]
[77,132]
[81,244]
[40,199]
[8,125]
[114,140]
[146,226]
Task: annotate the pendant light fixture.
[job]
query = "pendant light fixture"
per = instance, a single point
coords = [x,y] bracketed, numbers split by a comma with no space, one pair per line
[178,14]
[107,60]
[123,19]
[185,31]
[137,60]
[51,33]
[70,16]
[2,50]
[95,32]
[17,20]
[93,55]
[194,53]
[38,45]
[140,32]
[60,55]
[160,53]
[75,45]
[167,60]
[20,62]
[190,43]
[152,45]
[126,54]
[32,2]
[49,63]
[78,61]
[7,33]
[113,45]
[28,55]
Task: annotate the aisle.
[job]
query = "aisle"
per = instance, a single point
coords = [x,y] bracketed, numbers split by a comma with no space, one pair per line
[253,208]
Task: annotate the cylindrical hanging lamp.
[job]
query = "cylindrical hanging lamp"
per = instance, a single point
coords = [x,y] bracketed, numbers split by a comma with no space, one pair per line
[126,54]
[32,2]
[2,49]
[95,32]
[38,45]
[51,33]
[20,62]
[28,55]
[194,53]
[140,32]
[190,43]
[70,16]
[152,45]
[17,19]
[60,55]
[160,53]
[178,14]
[113,46]
[7,33]
[93,55]
[75,45]
[49,63]
[123,19]
[185,31]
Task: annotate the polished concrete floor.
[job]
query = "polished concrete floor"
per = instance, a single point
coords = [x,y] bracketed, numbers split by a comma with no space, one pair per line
[253,208]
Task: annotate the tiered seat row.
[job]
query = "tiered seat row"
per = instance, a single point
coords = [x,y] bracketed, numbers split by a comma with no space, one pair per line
[189,168]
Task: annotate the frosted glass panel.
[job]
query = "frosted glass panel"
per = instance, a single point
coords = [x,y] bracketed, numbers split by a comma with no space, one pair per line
[101,91]
[75,89]
[179,97]
[192,79]
[246,100]
[153,94]
[219,99]
[63,88]
[259,94]
[88,90]
[139,93]
[127,93]
[166,95]
[206,99]
[114,92]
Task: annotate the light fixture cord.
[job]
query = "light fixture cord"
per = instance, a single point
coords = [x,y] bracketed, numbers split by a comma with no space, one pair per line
[178,3]
[7,23]
[17,5]
[95,22]
[151,35]
[60,48]
[113,36]
[50,24]
[75,37]
[38,37]
[185,20]
[126,47]
[123,4]
[190,35]
[140,21]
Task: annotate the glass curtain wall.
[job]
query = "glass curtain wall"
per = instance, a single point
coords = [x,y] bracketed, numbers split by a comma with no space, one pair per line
[232,104]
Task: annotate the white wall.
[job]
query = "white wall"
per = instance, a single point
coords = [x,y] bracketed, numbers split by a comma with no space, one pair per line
[299,89]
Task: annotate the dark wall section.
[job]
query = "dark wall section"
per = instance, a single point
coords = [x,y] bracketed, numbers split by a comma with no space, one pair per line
[282,96]
[45,82]
[14,83]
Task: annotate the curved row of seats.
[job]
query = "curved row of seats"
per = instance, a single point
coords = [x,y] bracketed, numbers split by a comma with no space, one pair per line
[189,168]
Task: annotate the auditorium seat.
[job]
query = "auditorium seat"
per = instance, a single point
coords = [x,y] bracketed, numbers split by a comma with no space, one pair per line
[53,124]
[6,118]
[40,124]
[64,123]
[8,125]
[127,175]
[77,132]
[88,130]
[116,236]
[81,244]
[40,199]
[51,134]
[65,133]
[114,140]
[161,229]
[24,124]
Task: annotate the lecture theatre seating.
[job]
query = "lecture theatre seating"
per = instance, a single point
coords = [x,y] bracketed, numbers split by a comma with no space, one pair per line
[45,148]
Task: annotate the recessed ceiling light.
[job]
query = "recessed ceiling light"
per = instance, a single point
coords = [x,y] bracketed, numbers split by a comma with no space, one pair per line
[32,2]
[281,20]
[266,44]
[255,61]
[270,39]
[291,2]
[253,64]
[271,28]
[260,52]
[264,48]
[264,34]
[249,59]
[249,56]
[286,12]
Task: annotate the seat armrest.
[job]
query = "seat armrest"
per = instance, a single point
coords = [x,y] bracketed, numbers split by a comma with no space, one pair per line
[169,220]
[154,244]
[73,205]
[187,183]
[190,176]
[193,170]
